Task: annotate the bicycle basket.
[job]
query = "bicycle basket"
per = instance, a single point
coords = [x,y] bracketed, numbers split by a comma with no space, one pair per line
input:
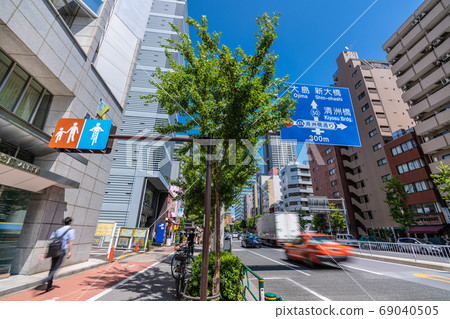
[180,257]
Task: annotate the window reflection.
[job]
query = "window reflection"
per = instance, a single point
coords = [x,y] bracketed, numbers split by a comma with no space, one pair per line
[13,208]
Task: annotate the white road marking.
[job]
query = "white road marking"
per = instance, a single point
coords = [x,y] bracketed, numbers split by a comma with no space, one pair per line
[126,280]
[304,288]
[297,270]
[360,269]
[392,263]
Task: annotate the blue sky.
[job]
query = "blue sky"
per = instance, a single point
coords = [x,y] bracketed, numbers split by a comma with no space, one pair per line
[307,28]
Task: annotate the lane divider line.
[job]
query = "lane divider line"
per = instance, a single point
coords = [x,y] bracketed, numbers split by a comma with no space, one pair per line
[309,290]
[126,280]
[273,260]
[360,269]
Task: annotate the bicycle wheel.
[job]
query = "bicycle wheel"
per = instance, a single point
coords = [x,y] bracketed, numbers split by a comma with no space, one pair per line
[178,284]
[175,267]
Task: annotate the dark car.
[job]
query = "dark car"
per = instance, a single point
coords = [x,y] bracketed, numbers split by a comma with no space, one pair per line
[375,242]
[250,240]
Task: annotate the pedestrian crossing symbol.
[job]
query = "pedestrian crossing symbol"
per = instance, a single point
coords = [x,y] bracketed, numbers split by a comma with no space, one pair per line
[81,134]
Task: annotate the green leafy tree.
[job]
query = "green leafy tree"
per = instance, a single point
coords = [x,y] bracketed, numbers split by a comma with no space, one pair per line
[397,198]
[303,222]
[320,223]
[336,218]
[443,180]
[230,95]
[251,223]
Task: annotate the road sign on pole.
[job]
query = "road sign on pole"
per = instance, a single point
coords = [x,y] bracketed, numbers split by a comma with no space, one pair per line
[81,134]
[323,115]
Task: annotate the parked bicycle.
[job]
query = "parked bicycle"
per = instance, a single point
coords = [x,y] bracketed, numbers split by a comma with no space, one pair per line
[181,269]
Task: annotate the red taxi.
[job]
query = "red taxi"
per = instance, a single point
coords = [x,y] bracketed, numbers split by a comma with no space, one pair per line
[314,249]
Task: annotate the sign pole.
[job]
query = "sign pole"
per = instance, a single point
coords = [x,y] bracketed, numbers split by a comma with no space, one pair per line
[345,215]
[206,229]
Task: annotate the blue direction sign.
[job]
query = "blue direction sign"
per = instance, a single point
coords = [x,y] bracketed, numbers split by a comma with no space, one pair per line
[95,134]
[160,233]
[323,115]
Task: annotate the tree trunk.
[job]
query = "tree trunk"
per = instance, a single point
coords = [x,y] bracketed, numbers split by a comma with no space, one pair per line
[216,276]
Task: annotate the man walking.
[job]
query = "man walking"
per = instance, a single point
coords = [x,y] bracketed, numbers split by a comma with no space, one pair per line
[190,239]
[66,235]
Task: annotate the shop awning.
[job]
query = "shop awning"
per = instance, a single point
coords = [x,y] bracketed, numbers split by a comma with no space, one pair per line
[425,229]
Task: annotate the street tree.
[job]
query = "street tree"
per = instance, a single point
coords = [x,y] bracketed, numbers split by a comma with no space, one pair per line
[336,218]
[303,222]
[319,222]
[227,95]
[442,180]
[397,198]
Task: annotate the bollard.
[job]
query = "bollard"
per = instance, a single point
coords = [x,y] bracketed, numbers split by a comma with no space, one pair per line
[269,296]
[111,254]
[137,247]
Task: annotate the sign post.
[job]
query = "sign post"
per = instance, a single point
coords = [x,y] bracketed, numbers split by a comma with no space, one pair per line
[323,115]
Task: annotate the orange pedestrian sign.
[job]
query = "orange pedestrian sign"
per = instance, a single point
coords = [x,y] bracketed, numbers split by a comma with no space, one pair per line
[81,134]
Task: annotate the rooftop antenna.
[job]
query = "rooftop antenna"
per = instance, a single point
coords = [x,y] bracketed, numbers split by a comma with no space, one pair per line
[349,47]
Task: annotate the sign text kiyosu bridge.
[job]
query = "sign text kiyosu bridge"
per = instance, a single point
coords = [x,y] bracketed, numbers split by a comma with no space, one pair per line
[323,115]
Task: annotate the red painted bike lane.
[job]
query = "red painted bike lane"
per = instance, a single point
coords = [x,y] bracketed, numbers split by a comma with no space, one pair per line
[84,286]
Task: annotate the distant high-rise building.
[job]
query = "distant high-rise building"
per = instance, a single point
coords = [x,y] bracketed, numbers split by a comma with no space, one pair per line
[357,173]
[278,153]
[239,208]
[296,187]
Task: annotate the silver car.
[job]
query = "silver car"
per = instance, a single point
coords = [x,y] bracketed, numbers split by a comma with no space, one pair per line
[418,245]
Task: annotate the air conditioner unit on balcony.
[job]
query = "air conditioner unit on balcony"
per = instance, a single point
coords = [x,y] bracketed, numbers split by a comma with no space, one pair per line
[420,17]
[399,73]
[415,22]
[404,87]
[446,57]
[410,103]
[445,80]
[388,50]
[436,42]
[437,63]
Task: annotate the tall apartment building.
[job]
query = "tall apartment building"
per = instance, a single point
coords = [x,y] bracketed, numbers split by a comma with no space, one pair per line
[354,173]
[296,187]
[419,52]
[48,54]
[138,186]
[277,153]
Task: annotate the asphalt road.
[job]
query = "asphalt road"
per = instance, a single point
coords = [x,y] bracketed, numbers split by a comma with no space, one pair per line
[357,279]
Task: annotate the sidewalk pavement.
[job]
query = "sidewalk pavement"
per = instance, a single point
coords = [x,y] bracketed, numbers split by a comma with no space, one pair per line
[81,281]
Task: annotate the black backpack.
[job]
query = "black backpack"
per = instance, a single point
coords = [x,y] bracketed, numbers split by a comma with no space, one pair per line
[55,245]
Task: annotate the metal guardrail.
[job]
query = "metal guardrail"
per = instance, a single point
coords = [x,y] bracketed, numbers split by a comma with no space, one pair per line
[246,284]
[438,253]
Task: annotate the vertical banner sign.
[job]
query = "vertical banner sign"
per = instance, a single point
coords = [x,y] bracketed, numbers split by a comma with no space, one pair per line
[323,115]
[81,134]
[160,233]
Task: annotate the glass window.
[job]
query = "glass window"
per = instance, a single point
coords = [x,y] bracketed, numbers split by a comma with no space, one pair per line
[372,133]
[13,87]
[354,73]
[5,62]
[369,119]
[332,171]
[357,85]
[376,147]
[328,151]
[365,107]
[29,101]
[381,162]
[363,94]
[331,160]
[13,208]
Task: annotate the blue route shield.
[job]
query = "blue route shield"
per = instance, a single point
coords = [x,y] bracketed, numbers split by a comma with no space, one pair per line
[323,115]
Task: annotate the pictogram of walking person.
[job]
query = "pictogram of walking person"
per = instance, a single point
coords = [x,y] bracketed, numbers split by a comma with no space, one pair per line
[72,131]
[95,131]
[59,134]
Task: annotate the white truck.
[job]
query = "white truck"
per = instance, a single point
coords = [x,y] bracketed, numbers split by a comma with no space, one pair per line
[277,228]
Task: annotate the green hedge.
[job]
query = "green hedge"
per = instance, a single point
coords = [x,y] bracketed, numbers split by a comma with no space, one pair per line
[231,276]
